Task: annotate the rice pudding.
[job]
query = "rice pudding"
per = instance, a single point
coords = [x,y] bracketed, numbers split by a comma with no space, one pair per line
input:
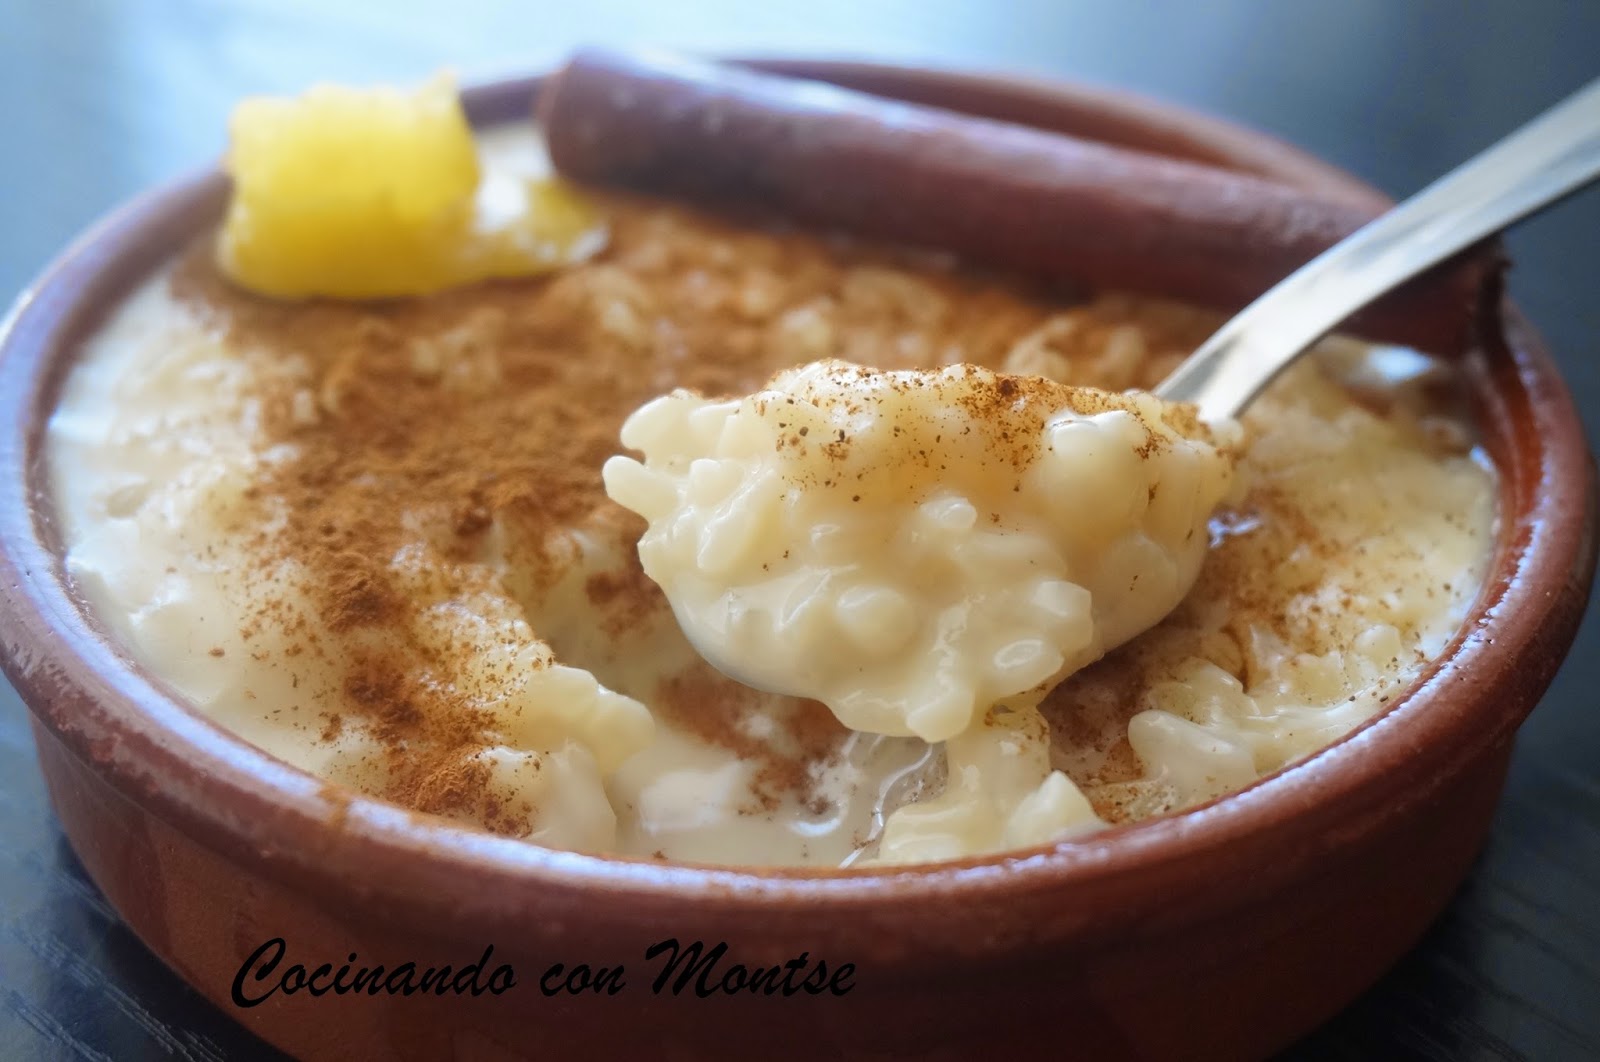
[373,538]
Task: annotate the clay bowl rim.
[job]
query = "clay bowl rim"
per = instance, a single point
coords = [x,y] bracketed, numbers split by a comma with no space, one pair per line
[286,825]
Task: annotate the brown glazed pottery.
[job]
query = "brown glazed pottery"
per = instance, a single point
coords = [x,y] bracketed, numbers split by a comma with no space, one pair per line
[1222,932]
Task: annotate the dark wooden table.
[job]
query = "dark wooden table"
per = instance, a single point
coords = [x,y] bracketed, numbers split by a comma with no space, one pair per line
[99,98]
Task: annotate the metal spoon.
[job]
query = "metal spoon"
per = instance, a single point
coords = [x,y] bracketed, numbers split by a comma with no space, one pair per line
[1549,158]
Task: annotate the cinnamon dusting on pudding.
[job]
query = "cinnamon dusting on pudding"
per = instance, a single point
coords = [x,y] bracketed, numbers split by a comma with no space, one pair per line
[486,413]
[424,526]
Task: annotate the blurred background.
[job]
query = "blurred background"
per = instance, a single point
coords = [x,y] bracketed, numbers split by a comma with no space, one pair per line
[100,98]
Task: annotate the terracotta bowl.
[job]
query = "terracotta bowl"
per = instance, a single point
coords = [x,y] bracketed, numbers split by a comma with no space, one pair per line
[1224,931]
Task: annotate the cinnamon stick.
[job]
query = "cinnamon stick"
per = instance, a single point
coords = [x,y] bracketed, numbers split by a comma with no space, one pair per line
[999,194]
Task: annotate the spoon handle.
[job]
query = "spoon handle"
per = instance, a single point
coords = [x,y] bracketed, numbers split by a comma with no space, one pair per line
[1553,156]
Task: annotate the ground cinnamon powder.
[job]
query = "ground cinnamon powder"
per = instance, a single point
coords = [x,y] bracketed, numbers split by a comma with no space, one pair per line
[472,425]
